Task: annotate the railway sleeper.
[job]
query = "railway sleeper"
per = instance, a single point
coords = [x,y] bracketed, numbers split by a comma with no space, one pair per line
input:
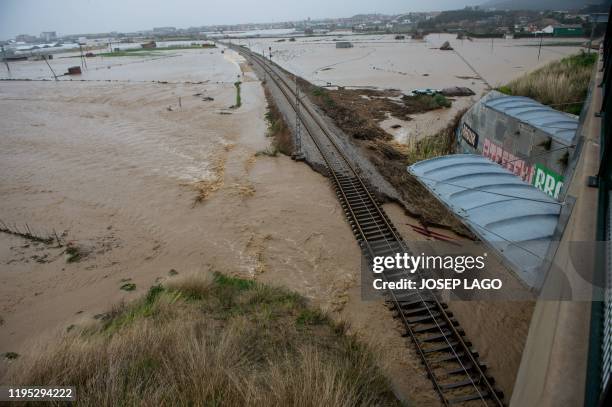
[371,210]
[468,397]
[348,184]
[447,346]
[432,327]
[461,383]
[374,228]
[429,317]
[351,192]
[462,369]
[377,236]
[399,273]
[407,297]
[443,335]
[371,222]
[363,205]
[416,311]
[451,357]
[380,247]
[422,299]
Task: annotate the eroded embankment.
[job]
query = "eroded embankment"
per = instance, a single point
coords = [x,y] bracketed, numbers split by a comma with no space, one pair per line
[358,113]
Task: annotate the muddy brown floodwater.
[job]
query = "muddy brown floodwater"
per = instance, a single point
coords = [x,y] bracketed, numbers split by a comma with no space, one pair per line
[115,168]
[161,178]
[117,172]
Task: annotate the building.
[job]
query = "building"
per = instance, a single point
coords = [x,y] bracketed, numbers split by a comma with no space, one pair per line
[344,44]
[532,140]
[164,30]
[48,36]
[568,31]
[25,38]
[567,354]
[149,45]
[549,29]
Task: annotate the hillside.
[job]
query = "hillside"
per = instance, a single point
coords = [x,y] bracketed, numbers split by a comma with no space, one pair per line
[539,5]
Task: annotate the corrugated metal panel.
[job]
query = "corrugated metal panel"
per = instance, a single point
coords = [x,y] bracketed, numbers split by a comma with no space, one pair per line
[559,125]
[514,217]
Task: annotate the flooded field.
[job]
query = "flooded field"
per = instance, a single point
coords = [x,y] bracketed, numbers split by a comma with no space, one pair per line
[193,65]
[381,62]
[116,169]
[145,165]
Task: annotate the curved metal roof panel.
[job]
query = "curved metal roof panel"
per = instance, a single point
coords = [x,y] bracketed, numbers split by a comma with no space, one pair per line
[559,125]
[515,218]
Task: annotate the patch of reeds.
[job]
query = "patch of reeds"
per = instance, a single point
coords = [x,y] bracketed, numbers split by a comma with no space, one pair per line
[561,84]
[278,130]
[26,233]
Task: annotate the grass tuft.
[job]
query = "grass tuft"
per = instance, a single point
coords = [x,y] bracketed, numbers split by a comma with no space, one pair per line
[562,84]
[311,317]
[128,287]
[237,343]
[271,151]
[11,355]
[278,130]
[238,97]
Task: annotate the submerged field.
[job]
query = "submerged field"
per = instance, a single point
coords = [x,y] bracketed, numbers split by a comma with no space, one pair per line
[150,170]
[161,166]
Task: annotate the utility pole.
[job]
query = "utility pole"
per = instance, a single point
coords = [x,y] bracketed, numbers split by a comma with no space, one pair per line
[83,61]
[540,47]
[593,27]
[52,71]
[5,61]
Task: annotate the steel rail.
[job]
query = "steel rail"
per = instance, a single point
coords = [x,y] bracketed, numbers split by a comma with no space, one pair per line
[491,393]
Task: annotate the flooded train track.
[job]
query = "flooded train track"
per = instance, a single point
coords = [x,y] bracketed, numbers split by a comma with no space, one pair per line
[451,364]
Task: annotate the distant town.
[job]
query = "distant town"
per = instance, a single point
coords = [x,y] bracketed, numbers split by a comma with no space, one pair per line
[470,21]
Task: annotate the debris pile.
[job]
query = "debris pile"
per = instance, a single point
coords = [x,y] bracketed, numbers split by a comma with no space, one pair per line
[446,46]
[457,91]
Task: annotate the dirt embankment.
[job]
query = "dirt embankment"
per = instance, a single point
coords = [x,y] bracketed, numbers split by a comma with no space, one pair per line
[358,113]
[278,128]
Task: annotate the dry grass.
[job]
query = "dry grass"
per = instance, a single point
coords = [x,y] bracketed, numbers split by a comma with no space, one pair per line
[210,340]
[563,84]
[442,143]
[277,129]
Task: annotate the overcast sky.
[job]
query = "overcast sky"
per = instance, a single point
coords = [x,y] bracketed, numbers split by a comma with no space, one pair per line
[90,16]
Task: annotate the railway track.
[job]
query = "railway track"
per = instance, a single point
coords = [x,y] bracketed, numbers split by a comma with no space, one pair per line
[451,364]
